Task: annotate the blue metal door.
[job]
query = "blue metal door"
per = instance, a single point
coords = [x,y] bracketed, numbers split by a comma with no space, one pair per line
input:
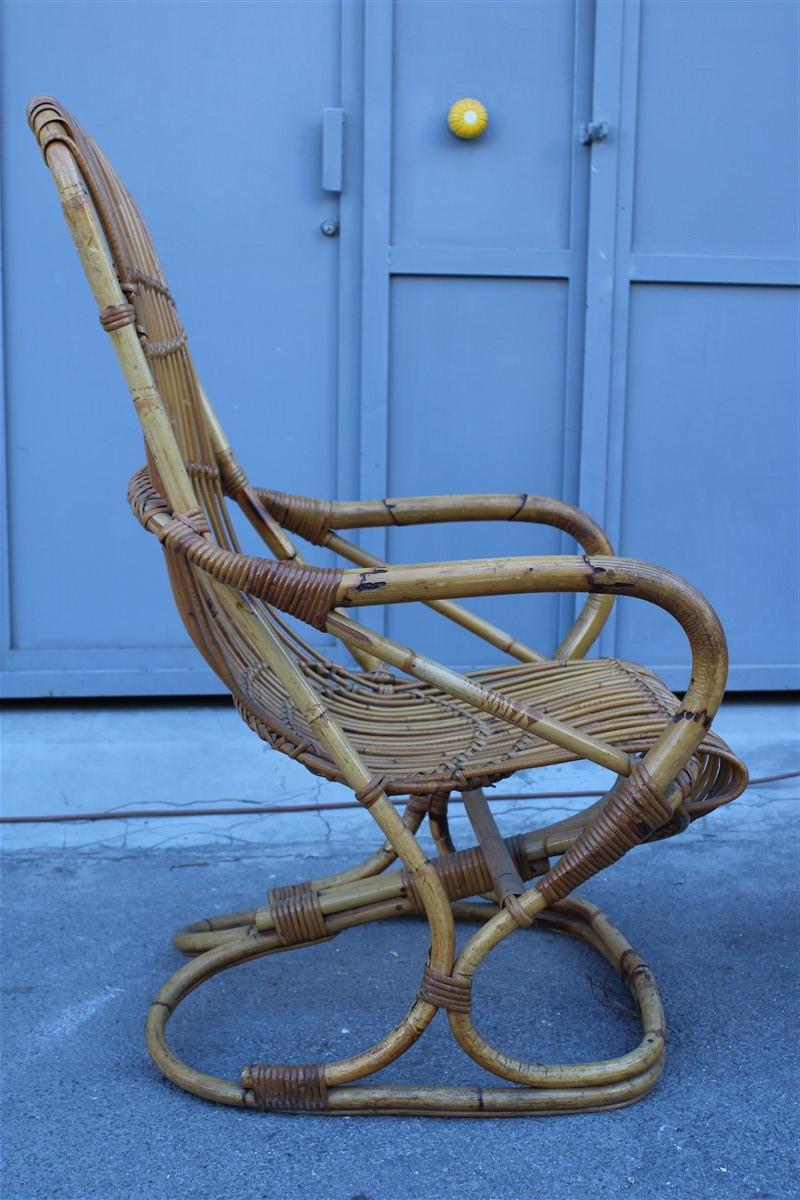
[690,391]
[610,321]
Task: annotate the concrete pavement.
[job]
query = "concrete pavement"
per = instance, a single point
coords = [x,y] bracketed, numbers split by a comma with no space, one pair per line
[88,908]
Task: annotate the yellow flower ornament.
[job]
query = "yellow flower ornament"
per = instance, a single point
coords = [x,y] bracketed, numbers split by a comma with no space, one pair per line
[467,119]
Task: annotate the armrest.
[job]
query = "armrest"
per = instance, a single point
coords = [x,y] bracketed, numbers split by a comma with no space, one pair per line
[599,576]
[312,518]
[316,520]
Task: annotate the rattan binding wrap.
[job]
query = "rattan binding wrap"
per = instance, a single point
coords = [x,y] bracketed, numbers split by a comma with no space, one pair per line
[398,722]
[277,1088]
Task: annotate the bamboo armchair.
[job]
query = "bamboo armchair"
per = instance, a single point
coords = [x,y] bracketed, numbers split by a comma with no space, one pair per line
[399,723]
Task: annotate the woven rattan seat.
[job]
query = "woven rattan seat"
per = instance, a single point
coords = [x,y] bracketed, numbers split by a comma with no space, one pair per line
[398,723]
[419,739]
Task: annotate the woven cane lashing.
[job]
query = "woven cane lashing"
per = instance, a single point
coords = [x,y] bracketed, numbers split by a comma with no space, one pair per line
[297,915]
[304,592]
[287,1088]
[167,346]
[145,501]
[463,873]
[445,991]
[117,316]
[371,791]
[304,515]
[233,477]
[634,810]
[288,889]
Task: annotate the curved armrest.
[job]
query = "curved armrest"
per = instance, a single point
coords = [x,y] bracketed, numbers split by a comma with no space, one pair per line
[312,518]
[599,576]
[316,520]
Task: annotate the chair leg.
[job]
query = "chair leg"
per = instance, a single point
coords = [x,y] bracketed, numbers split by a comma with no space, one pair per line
[303,917]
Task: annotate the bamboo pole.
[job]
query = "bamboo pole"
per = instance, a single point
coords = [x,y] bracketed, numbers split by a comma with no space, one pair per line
[454,612]
[87,234]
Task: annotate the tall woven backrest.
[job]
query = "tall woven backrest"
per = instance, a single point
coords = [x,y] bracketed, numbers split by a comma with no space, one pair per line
[206,460]
[145,288]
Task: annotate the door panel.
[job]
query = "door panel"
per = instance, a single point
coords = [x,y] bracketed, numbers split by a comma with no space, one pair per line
[709,405]
[511,186]
[717,107]
[474,258]
[476,405]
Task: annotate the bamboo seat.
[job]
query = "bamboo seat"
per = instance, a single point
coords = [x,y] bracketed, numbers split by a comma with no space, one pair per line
[398,723]
[420,740]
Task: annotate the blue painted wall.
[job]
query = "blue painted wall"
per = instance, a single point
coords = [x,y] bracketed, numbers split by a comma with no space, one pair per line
[615,324]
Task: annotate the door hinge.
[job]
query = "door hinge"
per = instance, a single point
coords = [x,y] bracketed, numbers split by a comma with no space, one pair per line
[593,131]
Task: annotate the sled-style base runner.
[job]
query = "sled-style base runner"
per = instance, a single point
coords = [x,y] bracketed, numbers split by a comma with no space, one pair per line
[321,910]
[399,723]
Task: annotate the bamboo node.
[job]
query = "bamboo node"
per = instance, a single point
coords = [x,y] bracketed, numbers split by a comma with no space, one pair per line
[631,965]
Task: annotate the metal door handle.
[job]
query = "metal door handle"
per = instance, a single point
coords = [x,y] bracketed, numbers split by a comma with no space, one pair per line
[332,149]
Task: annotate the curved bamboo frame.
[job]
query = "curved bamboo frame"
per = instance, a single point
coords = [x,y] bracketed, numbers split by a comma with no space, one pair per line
[431,734]
[582,1087]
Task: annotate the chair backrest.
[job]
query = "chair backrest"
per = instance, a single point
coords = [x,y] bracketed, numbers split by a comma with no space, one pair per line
[157,322]
[191,465]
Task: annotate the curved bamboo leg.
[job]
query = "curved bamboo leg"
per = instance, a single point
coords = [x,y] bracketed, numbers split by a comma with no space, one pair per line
[603,937]
[558,1089]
